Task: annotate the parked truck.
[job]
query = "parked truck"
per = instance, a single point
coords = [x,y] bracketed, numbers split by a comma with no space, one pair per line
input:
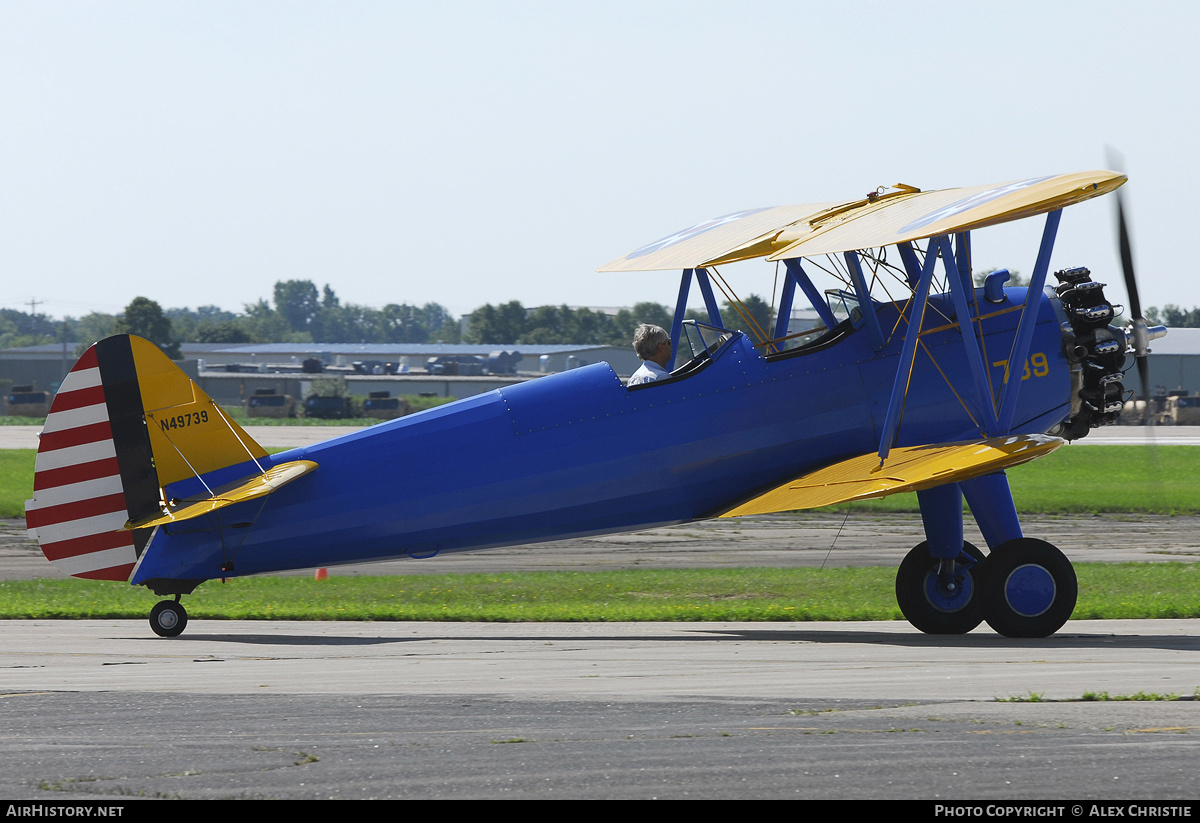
[25,402]
[266,403]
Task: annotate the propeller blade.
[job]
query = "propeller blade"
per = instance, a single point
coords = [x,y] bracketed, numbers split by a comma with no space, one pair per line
[1144,373]
[1135,305]
[1138,325]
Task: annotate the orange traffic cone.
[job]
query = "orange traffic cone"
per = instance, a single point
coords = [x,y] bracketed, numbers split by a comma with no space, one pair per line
[322,574]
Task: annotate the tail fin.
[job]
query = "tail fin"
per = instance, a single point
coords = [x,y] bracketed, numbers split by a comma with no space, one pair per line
[126,429]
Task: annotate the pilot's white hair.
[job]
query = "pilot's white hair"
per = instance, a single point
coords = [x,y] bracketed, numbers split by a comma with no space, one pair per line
[647,339]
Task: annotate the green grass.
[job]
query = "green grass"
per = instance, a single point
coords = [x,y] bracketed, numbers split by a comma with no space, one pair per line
[1090,479]
[16,480]
[1032,697]
[238,413]
[1160,480]
[415,402]
[1090,697]
[1142,479]
[244,420]
[17,420]
[1107,591]
[1118,591]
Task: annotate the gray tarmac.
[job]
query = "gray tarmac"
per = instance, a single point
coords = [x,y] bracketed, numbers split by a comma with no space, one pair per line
[797,539]
[103,711]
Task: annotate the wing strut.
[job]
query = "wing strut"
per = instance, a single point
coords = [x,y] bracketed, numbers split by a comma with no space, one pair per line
[865,303]
[710,302]
[1033,303]
[907,354]
[912,266]
[962,257]
[959,294]
[819,304]
[685,284]
[957,277]
[784,314]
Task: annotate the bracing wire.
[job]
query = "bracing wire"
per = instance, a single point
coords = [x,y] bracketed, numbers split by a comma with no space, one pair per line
[739,306]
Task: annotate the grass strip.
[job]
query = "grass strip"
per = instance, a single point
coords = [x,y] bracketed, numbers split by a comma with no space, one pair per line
[1144,479]
[16,481]
[1090,479]
[415,402]
[1107,591]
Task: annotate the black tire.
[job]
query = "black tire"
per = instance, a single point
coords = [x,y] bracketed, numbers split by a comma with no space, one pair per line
[1027,588]
[929,607]
[168,618]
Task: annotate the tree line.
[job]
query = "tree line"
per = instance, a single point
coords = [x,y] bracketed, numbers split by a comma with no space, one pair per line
[1175,317]
[299,312]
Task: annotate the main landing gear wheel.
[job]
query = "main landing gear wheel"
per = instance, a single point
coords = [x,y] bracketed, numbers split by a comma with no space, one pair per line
[939,603]
[168,618]
[1027,588]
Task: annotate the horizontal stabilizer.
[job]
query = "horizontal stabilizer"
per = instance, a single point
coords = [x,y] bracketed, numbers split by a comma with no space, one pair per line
[258,486]
[908,469]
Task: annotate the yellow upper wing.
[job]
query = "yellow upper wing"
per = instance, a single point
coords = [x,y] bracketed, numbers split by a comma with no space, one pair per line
[782,232]
[696,245]
[934,213]
[907,469]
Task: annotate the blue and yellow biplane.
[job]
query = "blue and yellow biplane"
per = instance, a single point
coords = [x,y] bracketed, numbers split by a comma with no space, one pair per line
[140,476]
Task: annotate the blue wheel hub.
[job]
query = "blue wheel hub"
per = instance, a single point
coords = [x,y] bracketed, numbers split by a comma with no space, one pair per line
[1030,590]
[945,599]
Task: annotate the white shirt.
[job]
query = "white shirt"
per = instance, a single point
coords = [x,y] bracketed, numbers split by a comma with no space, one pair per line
[648,372]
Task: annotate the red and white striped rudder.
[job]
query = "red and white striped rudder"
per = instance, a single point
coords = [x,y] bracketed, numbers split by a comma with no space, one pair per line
[78,511]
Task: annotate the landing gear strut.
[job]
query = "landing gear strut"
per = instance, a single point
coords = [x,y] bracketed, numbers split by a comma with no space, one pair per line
[168,618]
[940,596]
[1027,588]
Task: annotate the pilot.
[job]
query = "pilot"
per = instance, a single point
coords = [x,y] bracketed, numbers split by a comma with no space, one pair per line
[653,346]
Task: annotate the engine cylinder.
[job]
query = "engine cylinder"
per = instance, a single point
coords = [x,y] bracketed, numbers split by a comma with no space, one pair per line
[1098,348]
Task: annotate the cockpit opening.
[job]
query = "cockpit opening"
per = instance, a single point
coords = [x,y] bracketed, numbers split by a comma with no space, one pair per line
[699,343]
[846,310]
[699,340]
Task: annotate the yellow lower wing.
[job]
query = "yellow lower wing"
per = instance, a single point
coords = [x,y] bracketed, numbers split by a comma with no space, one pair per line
[907,469]
[258,486]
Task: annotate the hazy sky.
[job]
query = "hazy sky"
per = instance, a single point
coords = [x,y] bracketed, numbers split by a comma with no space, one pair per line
[472,152]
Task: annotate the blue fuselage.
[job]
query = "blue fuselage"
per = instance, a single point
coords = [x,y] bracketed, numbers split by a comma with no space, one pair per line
[578,454]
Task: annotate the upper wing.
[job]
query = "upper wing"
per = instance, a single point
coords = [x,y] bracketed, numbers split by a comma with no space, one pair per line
[935,213]
[696,245]
[907,469]
[782,232]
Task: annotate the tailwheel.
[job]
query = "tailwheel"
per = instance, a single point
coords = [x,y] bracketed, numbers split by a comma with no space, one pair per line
[1027,588]
[168,618]
[940,596]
